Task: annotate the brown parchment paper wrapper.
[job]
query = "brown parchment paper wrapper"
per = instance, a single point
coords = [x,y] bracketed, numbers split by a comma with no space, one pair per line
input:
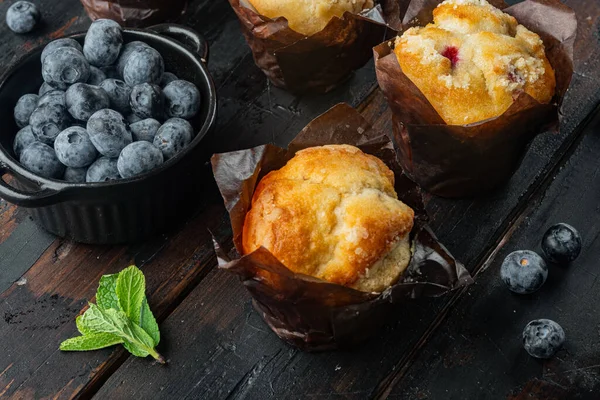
[316,63]
[135,13]
[466,160]
[309,313]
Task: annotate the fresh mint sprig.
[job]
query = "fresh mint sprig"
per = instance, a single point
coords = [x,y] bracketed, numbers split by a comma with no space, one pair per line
[121,316]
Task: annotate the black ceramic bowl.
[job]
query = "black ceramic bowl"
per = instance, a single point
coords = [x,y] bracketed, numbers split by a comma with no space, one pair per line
[123,211]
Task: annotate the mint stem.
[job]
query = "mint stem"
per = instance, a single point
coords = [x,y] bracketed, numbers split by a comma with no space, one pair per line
[160,359]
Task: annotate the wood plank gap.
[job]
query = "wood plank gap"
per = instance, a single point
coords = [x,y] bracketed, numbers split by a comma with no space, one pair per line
[525,206]
[371,94]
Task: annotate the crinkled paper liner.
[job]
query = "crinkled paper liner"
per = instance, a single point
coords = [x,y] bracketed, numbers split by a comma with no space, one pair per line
[309,313]
[316,63]
[135,13]
[467,160]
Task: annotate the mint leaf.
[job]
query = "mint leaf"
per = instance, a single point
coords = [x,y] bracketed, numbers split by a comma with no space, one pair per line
[81,327]
[106,296]
[121,316]
[148,322]
[92,341]
[141,336]
[136,351]
[137,341]
[95,320]
[130,290]
[115,322]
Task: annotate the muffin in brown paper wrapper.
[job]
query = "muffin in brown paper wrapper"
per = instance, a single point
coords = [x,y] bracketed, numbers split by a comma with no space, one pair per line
[319,62]
[135,13]
[307,312]
[467,160]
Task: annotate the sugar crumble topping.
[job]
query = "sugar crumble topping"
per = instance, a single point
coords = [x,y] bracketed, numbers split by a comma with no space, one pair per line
[514,70]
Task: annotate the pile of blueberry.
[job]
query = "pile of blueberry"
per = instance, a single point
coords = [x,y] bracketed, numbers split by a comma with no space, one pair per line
[105,111]
[525,271]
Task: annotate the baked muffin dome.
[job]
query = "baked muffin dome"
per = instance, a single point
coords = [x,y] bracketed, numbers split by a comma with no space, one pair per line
[332,213]
[473,61]
[309,16]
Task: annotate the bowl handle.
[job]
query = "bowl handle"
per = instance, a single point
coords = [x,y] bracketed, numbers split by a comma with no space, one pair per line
[187,36]
[40,198]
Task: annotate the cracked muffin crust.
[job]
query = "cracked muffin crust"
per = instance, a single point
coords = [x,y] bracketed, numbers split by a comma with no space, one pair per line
[309,16]
[474,60]
[331,212]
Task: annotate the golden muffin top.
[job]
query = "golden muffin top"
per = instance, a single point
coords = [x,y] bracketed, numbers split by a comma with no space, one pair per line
[474,60]
[331,212]
[309,16]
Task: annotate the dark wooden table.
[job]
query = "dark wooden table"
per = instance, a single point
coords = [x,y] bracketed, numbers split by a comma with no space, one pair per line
[462,346]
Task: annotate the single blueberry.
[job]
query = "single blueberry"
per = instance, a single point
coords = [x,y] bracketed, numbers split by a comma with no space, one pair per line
[64,67]
[143,65]
[145,129]
[524,271]
[47,121]
[25,106]
[74,148]
[542,338]
[173,136]
[96,76]
[58,43]
[138,158]
[54,96]
[167,78]
[45,88]
[126,51]
[109,132]
[118,94]
[103,42]
[103,169]
[22,16]
[182,99]
[561,243]
[132,119]
[40,159]
[75,175]
[23,139]
[83,100]
[147,101]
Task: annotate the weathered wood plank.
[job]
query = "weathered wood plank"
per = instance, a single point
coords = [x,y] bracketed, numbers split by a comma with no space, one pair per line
[8,220]
[40,313]
[480,341]
[228,352]
[22,248]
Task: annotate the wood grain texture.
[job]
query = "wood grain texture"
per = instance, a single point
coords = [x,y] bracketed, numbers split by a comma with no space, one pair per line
[21,250]
[481,339]
[40,314]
